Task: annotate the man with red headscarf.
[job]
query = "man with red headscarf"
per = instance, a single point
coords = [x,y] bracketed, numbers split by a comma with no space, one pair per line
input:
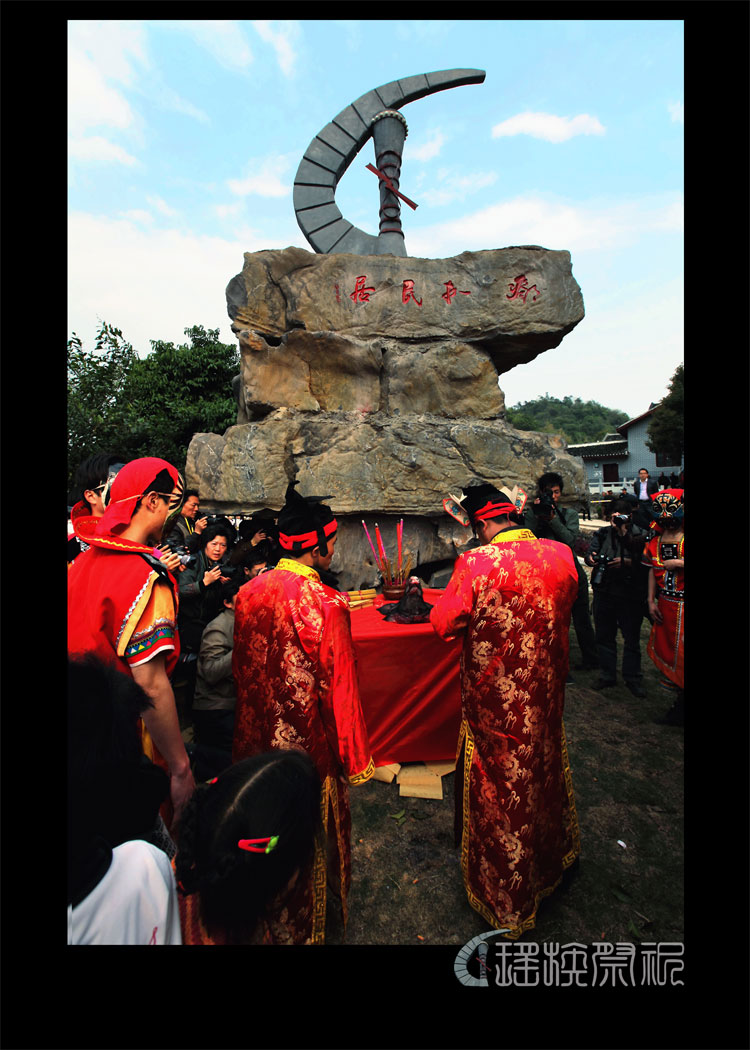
[511,598]
[294,667]
[122,603]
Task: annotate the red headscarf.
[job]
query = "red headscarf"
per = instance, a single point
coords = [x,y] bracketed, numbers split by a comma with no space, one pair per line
[132,481]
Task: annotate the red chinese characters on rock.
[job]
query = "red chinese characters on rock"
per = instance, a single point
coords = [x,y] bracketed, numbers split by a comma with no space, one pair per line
[450,292]
[519,289]
[360,293]
[407,293]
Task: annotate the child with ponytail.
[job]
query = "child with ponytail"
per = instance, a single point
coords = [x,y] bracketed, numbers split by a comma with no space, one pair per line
[246,840]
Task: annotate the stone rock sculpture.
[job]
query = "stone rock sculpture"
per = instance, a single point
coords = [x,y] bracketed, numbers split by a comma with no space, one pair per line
[369,378]
[373,375]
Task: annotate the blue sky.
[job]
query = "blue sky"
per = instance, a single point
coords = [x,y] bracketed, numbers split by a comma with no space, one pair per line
[185,137]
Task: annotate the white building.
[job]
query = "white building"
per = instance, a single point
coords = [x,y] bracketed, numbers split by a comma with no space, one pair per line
[614,462]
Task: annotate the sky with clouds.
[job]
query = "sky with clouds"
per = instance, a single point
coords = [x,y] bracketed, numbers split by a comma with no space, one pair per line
[185,137]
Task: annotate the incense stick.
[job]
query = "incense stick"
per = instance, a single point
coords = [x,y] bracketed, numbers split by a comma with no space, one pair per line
[375,553]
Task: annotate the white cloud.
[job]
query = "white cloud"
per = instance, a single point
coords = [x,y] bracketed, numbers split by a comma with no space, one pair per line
[91,101]
[429,149]
[673,216]
[162,206]
[112,46]
[581,227]
[150,283]
[228,211]
[547,126]
[677,112]
[224,39]
[282,40]
[264,177]
[457,187]
[138,215]
[169,99]
[97,150]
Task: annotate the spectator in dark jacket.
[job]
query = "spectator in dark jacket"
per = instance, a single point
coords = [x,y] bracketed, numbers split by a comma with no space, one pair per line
[215,692]
[619,582]
[188,528]
[549,520]
[200,601]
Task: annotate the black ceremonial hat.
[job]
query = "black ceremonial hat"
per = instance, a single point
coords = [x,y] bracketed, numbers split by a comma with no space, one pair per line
[305,522]
[482,501]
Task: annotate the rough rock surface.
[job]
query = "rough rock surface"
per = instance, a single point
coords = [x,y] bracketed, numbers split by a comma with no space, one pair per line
[380,468]
[384,393]
[362,333]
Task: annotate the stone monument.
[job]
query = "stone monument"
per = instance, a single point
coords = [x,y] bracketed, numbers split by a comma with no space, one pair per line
[372,375]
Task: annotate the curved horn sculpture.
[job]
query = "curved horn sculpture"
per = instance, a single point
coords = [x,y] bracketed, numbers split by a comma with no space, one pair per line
[334,148]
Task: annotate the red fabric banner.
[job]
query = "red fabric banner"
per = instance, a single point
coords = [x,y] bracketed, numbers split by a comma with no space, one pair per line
[408,685]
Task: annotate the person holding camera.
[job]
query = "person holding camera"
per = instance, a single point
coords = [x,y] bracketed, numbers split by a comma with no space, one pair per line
[549,521]
[200,600]
[619,582]
[186,532]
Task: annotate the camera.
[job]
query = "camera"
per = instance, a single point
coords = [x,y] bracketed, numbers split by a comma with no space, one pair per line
[184,554]
[620,519]
[186,558]
[600,570]
[546,505]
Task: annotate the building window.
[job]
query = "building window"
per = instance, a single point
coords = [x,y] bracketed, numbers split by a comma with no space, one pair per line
[611,472]
[668,459]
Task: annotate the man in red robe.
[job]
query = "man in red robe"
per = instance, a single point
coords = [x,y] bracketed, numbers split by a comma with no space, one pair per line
[122,605]
[511,598]
[294,667]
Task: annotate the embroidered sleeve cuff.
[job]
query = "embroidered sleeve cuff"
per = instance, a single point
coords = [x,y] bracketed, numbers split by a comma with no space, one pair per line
[364,776]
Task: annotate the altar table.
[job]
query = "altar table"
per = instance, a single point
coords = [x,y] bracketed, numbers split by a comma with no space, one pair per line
[409,687]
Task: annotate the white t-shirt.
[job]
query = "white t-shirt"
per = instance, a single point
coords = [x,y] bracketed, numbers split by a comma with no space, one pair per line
[135,902]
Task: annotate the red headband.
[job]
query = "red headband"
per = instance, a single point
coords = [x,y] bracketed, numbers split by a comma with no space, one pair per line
[307,539]
[493,510]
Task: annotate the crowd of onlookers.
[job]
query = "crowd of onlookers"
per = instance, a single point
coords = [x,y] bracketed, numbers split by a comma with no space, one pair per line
[117,838]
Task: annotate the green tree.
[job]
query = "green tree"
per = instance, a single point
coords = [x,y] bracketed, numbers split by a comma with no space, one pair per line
[575,420]
[96,413]
[178,391]
[148,406]
[666,428]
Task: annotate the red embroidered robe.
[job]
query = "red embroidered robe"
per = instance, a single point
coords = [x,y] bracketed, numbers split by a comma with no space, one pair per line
[294,667]
[666,643]
[512,599]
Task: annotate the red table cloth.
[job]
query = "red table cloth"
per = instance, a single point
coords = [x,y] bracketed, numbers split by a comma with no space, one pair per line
[409,687]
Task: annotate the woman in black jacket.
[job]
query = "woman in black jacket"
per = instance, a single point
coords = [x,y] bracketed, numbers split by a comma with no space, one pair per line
[200,600]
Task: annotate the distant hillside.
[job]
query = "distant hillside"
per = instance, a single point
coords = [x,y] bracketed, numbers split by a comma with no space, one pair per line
[577,421]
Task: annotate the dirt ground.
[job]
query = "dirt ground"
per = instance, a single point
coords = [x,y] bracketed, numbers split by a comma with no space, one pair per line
[627,774]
